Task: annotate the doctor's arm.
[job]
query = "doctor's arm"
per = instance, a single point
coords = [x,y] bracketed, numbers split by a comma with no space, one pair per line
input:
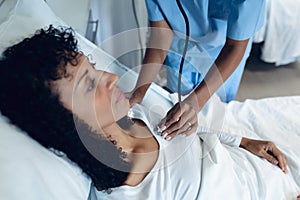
[158,45]
[225,64]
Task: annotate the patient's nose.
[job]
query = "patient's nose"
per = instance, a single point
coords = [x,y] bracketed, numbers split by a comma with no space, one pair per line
[111,80]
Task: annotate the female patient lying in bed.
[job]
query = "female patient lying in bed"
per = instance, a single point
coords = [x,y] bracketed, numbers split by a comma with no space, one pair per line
[53,92]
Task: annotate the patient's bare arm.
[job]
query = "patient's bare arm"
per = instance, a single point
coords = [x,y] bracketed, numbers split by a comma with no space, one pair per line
[267,150]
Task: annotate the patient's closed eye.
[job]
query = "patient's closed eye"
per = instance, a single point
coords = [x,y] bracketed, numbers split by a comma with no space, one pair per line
[91,85]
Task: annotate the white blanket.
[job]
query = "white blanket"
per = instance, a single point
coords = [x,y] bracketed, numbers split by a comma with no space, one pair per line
[274,119]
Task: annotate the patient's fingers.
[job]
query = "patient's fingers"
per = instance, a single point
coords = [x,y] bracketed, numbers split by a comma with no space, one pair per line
[270,158]
[274,155]
[280,157]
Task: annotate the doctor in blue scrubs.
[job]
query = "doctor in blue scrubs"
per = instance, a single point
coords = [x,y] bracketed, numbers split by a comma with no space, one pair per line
[220,43]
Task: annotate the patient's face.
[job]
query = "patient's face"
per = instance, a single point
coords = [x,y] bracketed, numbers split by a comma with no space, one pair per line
[92,94]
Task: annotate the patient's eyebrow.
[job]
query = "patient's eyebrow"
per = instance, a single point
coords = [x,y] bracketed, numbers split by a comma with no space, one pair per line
[82,76]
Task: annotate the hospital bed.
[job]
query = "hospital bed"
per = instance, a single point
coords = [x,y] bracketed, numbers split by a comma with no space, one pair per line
[280,33]
[30,171]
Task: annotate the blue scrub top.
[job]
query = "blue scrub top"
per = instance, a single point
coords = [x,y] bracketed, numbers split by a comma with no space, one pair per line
[211,21]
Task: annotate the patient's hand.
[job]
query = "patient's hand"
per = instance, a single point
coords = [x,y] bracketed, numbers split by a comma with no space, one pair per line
[181,119]
[267,150]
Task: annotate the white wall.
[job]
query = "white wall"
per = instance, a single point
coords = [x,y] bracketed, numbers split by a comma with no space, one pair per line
[73,12]
[115,17]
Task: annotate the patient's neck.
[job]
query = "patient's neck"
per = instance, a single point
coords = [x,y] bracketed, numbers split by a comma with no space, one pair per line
[135,139]
[140,146]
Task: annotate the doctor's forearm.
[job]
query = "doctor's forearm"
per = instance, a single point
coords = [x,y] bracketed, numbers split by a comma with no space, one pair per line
[151,65]
[158,45]
[227,61]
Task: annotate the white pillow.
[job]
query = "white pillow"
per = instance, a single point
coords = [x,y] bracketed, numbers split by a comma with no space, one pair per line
[30,171]
[5,8]
[25,18]
[27,169]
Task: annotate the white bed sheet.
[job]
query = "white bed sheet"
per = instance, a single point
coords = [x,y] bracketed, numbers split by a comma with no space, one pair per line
[274,119]
[281,32]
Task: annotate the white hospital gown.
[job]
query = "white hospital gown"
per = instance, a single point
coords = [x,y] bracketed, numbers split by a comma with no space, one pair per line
[171,177]
[192,168]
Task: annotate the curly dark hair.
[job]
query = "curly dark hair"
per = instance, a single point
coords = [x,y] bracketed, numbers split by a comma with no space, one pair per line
[26,98]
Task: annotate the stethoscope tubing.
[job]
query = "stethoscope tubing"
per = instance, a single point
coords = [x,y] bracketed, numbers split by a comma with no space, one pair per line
[187,35]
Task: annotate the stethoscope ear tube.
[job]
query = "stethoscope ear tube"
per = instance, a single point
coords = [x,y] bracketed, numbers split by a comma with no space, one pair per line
[187,35]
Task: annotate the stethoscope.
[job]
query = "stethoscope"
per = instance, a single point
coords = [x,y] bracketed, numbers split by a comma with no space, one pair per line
[187,35]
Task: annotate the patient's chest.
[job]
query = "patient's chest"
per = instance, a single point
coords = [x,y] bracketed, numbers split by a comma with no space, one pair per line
[180,174]
[176,174]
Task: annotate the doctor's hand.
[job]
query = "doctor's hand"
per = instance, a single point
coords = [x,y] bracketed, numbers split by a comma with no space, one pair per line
[180,119]
[137,95]
[267,150]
